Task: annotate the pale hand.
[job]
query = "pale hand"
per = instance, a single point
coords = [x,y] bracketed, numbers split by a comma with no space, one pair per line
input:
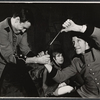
[69,25]
[62,84]
[63,90]
[41,54]
[43,59]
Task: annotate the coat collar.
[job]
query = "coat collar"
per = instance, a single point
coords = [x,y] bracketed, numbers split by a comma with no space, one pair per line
[7,24]
[88,56]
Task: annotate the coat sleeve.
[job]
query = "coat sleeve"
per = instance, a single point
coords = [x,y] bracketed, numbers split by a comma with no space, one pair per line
[65,74]
[94,34]
[89,30]
[62,75]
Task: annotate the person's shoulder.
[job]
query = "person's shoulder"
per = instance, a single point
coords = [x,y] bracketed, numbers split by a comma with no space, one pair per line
[4,23]
[96,31]
[4,26]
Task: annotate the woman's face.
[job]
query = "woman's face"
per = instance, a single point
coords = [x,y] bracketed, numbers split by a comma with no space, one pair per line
[80,45]
[59,58]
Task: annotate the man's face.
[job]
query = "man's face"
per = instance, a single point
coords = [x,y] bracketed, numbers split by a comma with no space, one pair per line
[59,58]
[21,26]
[79,44]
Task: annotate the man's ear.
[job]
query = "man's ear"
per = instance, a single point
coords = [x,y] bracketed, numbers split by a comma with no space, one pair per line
[17,20]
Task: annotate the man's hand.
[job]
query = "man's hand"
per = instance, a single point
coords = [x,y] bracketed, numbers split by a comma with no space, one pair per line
[42,53]
[41,58]
[69,25]
[44,59]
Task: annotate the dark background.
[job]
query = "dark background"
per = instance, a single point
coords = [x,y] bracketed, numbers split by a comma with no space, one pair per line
[48,20]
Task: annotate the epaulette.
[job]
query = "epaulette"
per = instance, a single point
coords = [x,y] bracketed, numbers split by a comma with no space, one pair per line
[7,29]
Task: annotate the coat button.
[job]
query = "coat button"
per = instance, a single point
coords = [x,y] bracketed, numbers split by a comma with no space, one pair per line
[93,73]
[25,56]
[88,65]
[95,79]
[21,55]
[97,83]
[90,69]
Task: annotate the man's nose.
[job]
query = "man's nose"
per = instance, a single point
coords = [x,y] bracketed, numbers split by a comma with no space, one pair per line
[23,30]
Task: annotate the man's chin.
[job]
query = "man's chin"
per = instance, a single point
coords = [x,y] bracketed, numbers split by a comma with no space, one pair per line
[77,52]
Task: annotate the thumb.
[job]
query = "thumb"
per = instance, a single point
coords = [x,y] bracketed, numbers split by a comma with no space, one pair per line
[64,30]
[46,52]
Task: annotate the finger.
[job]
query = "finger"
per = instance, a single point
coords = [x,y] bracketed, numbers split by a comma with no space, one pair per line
[47,56]
[67,23]
[46,52]
[64,25]
[41,53]
[38,56]
[64,30]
